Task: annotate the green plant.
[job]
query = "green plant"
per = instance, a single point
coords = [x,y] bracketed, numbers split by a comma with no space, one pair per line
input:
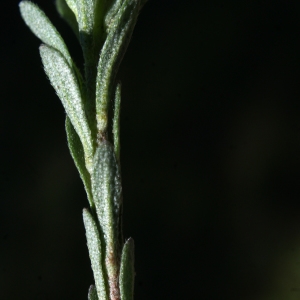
[104,28]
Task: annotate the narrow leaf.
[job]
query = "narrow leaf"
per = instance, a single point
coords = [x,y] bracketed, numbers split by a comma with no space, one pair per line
[95,253]
[85,18]
[67,14]
[64,81]
[92,293]
[116,122]
[86,11]
[91,28]
[127,271]
[111,55]
[106,188]
[77,153]
[112,12]
[41,26]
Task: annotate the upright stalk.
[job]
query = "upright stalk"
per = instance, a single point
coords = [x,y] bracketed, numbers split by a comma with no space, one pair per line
[104,29]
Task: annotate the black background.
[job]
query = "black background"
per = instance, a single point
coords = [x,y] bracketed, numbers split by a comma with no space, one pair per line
[210,156]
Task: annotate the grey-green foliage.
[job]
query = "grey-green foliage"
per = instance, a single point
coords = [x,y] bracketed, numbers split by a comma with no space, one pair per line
[116,121]
[77,154]
[63,79]
[119,33]
[127,271]
[96,253]
[41,26]
[106,189]
[104,28]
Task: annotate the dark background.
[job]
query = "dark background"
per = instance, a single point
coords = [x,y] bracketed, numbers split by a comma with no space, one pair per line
[210,156]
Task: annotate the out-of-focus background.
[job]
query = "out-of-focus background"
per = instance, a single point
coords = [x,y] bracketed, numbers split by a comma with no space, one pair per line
[210,156]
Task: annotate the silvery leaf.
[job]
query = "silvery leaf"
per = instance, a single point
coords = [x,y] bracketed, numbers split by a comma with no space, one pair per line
[106,188]
[112,52]
[86,15]
[95,253]
[127,273]
[116,122]
[65,83]
[41,26]
[112,12]
[77,153]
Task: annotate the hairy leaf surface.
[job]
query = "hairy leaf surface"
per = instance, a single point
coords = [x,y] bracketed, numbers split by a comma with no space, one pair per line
[86,15]
[41,26]
[112,52]
[111,14]
[116,121]
[95,252]
[64,81]
[127,274]
[106,188]
[77,153]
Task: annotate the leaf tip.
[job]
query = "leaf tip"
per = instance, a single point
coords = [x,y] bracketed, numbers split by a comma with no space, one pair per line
[85,213]
[43,50]
[23,6]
